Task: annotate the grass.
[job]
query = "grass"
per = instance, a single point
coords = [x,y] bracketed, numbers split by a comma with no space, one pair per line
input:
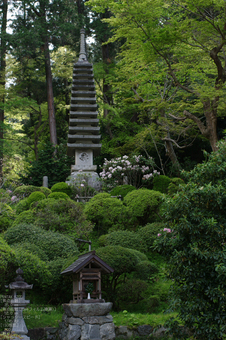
[133,320]
[37,316]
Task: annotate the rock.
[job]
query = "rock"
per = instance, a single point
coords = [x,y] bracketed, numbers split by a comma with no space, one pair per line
[159,332]
[107,331]
[87,309]
[100,320]
[74,332]
[90,332]
[51,330]
[74,321]
[144,330]
[123,332]
[36,333]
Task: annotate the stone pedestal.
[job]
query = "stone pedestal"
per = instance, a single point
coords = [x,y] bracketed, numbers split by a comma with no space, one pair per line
[87,322]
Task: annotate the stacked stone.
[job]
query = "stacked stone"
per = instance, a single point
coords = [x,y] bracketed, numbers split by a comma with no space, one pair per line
[84,132]
[87,322]
[83,124]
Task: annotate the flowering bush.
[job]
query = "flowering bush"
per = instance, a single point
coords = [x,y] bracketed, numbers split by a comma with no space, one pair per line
[80,186]
[134,170]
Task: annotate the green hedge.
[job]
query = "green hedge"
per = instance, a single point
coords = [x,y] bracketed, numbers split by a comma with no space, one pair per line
[53,244]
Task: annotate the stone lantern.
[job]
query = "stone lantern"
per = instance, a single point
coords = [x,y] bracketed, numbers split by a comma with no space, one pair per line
[19,303]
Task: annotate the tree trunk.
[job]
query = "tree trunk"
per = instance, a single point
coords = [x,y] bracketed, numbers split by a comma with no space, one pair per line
[2,79]
[50,98]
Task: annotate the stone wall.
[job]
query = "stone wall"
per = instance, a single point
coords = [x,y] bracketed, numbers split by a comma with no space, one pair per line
[87,321]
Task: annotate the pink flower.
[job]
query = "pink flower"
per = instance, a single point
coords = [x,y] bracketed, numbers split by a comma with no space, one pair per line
[159,234]
[82,185]
[13,198]
[168,230]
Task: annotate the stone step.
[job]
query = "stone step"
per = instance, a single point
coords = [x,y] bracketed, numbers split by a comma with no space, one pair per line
[84,107]
[82,69]
[93,137]
[83,146]
[84,99]
[80,129]
[83,75]
[90,87]
[83,121]
[83,93]
[82,64]
[85,114]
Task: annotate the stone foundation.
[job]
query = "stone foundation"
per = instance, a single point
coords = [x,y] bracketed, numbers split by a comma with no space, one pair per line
[87,322]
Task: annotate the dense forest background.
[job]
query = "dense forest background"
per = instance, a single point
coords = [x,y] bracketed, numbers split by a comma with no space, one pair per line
[160,76]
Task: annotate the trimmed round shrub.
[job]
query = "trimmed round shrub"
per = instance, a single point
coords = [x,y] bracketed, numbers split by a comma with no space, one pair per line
[143,205]
[174,185]
[131,291]
[35,270]
[105,212]
[24,217]
[62,215]
[8,264]
[59,195]
[35,197]
[149,233]
[25,190]
[22,205]
[145,269]
[46,191]
[61,187]
[127,239]
[32,248]
[122,260]
[7,216]
[52,243]
[161,183]
[102,240]
[122,190]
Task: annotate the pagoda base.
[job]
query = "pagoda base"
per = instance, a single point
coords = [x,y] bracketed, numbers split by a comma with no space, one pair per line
[91,177]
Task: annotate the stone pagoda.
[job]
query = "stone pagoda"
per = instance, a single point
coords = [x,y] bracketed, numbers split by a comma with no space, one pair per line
[84,132]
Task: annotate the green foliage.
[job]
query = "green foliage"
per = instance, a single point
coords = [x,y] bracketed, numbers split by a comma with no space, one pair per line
[52,162]
[122,190]
[45,191]
[22,206]
[161,183]
[131,292]
[143,205]
[122,260]
[174,185]
[35,270]
[7,264]
[105,212]
[53,244]
[126,239]
[25,190]
[195,247]
[65,216]
[35,197]
[148,234]
[59,195]
[59,288]
[32,248]
[145,270]
[7,216]
[61,187]
[24,217]
[80,186]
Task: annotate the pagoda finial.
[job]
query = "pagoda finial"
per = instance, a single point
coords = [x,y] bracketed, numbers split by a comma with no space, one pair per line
[82,54]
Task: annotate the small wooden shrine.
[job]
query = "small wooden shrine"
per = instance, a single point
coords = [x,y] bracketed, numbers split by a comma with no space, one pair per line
[86,272]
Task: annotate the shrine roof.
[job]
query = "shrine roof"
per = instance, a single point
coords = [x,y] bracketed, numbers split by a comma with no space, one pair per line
[84,260]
